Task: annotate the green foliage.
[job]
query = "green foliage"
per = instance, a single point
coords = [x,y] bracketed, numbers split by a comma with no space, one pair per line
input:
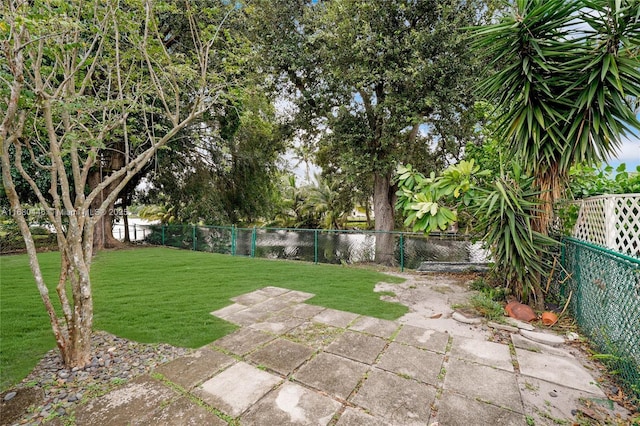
[431,204]
[566,76]
[502,212]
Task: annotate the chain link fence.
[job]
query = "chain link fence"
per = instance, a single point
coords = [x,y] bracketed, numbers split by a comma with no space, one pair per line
[603,289]
[315,245]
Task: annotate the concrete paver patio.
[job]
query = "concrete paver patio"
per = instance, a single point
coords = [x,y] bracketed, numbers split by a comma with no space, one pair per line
[291,363]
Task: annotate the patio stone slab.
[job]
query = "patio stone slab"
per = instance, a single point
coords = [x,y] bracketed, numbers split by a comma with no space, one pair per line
[353,417]
[304,311]
[277,324]
[243,341]
[332,374]
[457,410]
[375,326]
[194,368]
[483,352]
[247,316]
[416,363]
[182,412]
[357,346]
[295,296]
[225,312]
[274,291]
[423,338]
[484,383]
[314,334]
[561,370]
[291,404]
[271,306]
[397,400]
[282,356]
[237,388]
[335,318]
[539,404]
[251,298]
[137,399]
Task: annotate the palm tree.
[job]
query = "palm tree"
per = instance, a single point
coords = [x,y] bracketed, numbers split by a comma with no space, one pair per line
[566,77]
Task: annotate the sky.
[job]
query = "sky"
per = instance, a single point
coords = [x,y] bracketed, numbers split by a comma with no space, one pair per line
[629,152]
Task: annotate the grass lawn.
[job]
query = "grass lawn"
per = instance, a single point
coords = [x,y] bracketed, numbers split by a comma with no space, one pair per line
[155,295]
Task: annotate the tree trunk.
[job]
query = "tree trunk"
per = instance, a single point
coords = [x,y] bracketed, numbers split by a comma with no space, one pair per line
[125,222]
[103,230]
[383,200]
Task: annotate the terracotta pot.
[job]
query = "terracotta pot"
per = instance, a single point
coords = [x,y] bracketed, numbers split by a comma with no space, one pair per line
[549,318]
[520,311]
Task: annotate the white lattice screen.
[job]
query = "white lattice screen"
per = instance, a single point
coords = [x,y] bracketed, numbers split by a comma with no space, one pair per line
[612,221]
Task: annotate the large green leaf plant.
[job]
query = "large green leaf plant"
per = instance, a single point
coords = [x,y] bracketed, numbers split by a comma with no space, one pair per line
[501,211]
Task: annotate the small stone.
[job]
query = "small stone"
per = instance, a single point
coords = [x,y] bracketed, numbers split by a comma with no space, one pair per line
[615,390]
[463,319]
[63,374]
[553,394]
[545,338]
[571,336]
[503,327]
[574,412]
[10,396]
[72,398]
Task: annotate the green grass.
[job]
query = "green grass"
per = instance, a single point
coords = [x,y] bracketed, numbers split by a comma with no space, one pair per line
[155,295]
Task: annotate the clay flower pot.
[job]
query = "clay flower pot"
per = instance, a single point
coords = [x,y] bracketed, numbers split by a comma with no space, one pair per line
[520,311]
[549,318]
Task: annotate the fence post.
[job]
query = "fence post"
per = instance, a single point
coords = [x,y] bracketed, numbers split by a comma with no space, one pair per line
[194,238]
[253,242]
[401,252]
[163,226]
[315,246]
[135,233]
[233,240]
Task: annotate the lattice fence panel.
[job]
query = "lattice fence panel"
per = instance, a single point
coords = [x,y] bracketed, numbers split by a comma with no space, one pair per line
[611,221]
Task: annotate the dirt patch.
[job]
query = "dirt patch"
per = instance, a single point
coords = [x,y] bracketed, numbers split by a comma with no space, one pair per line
[432,298]
[23,400]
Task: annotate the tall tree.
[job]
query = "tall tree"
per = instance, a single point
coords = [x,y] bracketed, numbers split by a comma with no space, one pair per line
[567,76]
[58,109]
[379,80]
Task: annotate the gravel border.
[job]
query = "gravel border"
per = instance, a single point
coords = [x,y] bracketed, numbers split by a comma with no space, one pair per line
[114,361]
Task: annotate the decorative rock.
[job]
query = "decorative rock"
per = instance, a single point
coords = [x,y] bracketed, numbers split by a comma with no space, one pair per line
[10,396]
[461,318]
[521,325]
[504,327]
[571,336]
[545,338]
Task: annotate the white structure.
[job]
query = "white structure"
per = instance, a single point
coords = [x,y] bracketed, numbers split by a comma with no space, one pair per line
[611,221]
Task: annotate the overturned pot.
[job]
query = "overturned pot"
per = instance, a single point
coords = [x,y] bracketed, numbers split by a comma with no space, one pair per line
[549,318]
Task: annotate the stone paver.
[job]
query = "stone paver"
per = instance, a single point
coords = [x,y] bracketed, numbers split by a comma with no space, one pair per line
[483,352]
[195,368]
[137,399]
[416,363]
[296,364]
[237,388]
[375,326]
[333,374]
[353,417]
[282,356]
[277,324]
[182,412]
[484,383]
[457,410]
[243,341]
[292,404]
[565,371]
[335,318]
[397,400]
[357,346]
[423,338]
